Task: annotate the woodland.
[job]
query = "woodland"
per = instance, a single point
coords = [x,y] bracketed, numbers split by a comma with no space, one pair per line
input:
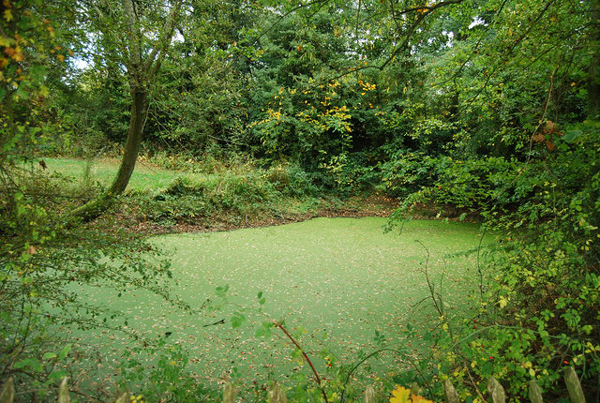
[125,120]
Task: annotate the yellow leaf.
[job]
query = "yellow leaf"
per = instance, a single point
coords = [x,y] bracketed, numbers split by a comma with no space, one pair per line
[60,57]
[400,395]
[8,15]
[503,302]
[5,41]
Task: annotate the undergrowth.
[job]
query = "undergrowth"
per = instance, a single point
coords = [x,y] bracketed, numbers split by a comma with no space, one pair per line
[537,313]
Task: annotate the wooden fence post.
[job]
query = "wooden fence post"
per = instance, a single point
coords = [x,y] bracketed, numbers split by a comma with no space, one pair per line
[496,390]
[7,394]
[228,393]
[125,398]
[574,386]
[535,393]
[276,394]
[63,392]
[450,392]
[370,395]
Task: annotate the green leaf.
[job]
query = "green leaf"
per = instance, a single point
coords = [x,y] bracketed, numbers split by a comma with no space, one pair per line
[65,351]
[221,291]
[237,319]
[32,363]
[264,330]
[572,136]
[49,356]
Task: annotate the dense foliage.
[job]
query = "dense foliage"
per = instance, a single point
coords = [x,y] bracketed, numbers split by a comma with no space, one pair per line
[473,109]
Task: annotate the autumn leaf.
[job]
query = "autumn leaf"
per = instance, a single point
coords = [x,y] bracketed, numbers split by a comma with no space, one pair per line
[538,138]
[8,15]
[18,56]
[14,53]
[400,395]
[420,399]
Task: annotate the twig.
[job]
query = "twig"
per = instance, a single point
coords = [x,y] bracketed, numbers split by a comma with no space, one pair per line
[371,355]
[312,367]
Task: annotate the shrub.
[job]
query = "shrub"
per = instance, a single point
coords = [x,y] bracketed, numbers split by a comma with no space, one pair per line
[539,310]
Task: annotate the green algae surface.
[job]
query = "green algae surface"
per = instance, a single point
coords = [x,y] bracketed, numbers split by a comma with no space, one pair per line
[335,282]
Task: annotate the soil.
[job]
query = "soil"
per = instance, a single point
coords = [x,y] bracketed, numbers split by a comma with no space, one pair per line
[370,206]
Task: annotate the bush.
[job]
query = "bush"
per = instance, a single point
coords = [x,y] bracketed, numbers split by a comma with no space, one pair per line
[538,311]
[42,265]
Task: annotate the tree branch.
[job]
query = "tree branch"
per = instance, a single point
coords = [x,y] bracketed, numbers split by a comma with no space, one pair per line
[158,50]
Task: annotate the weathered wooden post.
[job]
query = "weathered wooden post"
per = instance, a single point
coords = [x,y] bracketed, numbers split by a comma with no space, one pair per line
[63,392]
[574,386]
[276,394]
[450,392]
[370,395]
[535,393]
[125,398]
[229,393]
[496,390]
[7,394]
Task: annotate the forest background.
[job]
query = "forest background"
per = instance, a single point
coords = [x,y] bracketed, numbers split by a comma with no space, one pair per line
[485,110]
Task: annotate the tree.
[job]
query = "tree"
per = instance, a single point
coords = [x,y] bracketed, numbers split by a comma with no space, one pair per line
[40,261]
[136,29]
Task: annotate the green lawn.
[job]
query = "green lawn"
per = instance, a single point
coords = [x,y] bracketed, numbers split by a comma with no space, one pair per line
[339,279]
[145,177]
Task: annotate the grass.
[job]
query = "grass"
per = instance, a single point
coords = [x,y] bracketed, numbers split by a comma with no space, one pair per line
[223,197]
[334,282]
[145,177]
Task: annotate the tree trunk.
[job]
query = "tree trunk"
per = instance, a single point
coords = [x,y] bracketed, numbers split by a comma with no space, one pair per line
[139,112]
[141,71]
[97,206]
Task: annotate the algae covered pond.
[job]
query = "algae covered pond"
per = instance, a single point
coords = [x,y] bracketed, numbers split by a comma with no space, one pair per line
[335,282]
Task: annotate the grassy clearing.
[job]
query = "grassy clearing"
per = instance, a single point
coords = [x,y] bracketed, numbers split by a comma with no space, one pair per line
[145,177]
[214,197]
[334,282]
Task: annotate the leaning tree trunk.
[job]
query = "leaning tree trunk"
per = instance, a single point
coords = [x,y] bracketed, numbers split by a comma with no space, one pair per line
[97,206]
[142,68]
[139,112]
